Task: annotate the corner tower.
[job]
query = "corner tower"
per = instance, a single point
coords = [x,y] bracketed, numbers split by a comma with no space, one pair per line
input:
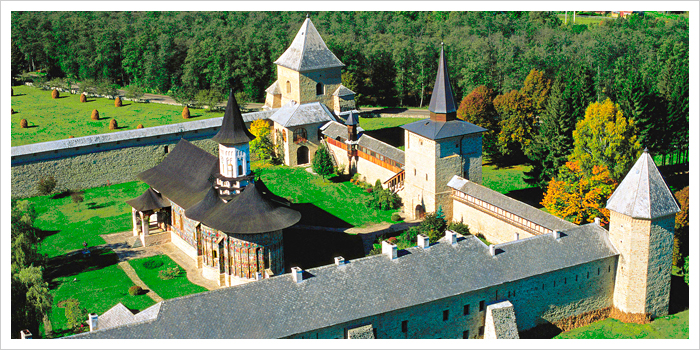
[437,149]
[642,216]
[234,152]
[308,72]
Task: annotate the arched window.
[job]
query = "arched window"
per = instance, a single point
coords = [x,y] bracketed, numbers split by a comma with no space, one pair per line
[289,87]
[299,135]
[319,89]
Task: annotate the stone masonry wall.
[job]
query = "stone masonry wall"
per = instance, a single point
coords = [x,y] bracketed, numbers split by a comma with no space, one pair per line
[371,172]
[536,300]
[419,184]
[330,78]
[501,322]
[95,169]
[660,264]
[494,230]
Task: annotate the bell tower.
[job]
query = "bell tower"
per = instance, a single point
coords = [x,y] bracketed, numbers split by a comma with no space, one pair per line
[642,216]
[234,152]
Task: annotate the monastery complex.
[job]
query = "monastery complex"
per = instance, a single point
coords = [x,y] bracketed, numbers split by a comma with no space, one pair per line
[540,270]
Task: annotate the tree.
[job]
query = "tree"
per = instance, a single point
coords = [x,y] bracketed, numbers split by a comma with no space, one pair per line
[605,138]
[243,99]
[517,119]
[433,226]
[31,300]
[477,108]
[134,93]
[686,273]
[322,163]
[536,88]
[681,232]
[210,98]
[553,143]
[261,146]
[577,197]
[75,315]
[46,185]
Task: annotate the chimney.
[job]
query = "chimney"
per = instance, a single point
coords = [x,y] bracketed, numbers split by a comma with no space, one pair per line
[339,260]
[597,221]
[492,250]
[451,237]
[389,250]
[25,334]
[423,241]
[556,234]
[297,274]
[92,322]
[517,236]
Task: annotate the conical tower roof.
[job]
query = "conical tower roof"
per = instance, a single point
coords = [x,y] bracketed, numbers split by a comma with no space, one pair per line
[442,101]
[643,194]
[233,130]
[308,51]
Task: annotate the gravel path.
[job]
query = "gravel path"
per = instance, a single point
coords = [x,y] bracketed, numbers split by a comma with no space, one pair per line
[137,281]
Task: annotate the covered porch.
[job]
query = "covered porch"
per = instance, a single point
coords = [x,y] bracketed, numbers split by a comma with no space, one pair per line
[150,215]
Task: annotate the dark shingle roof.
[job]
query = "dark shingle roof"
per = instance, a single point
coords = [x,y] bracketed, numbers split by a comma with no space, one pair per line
[149,200]
[295,114]
[442,101]
[308,51]
[643,194]
[233,130]
[435,130]
[185,175]
[509,204]
[382,148]
[363,287]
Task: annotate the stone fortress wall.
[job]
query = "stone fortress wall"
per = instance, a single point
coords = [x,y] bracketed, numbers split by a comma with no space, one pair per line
[543,299]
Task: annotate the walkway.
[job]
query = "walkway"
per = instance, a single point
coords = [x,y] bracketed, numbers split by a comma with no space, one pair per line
[137,281]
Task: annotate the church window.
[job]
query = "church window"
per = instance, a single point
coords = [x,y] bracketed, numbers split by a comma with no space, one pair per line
[319,89]
[608,268]
[426,177]
[180,222]
[289,87]
[466,310]
[240,170]
[564,280]
[404,326]
[445,315]
[414,172]
[599,271]
[165,149]
[576,278]
[588,275]
[299,134]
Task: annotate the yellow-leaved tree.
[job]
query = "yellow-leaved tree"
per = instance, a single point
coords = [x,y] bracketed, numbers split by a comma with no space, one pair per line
[261,146]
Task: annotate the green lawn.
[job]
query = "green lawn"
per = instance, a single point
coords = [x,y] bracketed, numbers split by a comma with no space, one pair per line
[97,282]
[506,179]
[65,225]
[384,123]
[322,203]
[670,327]
[57,119]
[148,269]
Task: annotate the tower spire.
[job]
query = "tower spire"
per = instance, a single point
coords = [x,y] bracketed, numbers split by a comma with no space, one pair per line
[442,103]
[233,130]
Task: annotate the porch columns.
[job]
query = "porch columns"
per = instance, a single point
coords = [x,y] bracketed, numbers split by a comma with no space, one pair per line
[144,228]
[133,220]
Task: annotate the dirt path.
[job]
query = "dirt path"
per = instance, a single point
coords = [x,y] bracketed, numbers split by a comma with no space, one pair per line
[137,281]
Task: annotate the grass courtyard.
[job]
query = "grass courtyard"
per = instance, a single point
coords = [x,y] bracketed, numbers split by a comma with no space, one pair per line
[148,270]
[669,327]
[55,119]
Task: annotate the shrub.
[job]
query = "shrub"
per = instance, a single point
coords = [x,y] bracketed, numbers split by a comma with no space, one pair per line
[459,227]
[46,185]
[54,93]
[322,162]
[75,315]
[135,290]
[368,189]
[95,115]
[117,102]
[70,136]
[391,240]
[83,98]
[169,273]
[140,126]
[77,197]
[113,124]
[152,264]
[682,216]
[186,113]
[23,124]
[383,199]
[395,217]
[134,93]
[340,170]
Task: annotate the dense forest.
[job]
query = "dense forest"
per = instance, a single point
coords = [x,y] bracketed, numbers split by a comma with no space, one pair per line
[639,62]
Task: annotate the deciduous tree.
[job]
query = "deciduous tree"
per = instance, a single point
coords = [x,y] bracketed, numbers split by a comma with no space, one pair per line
[517,119]
[477,108]
[261,146]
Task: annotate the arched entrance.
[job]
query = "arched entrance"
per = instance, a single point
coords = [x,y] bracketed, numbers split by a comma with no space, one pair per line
[302,155]
[420,211]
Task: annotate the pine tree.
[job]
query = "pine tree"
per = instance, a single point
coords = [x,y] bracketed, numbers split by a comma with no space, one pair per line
[322,163]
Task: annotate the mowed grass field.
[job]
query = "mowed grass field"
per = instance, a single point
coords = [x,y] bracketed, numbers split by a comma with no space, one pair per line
[55,119]
[669,327]
[148,270]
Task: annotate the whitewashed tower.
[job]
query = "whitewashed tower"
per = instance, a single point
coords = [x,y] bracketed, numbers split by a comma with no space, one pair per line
[234,152]
[642,216]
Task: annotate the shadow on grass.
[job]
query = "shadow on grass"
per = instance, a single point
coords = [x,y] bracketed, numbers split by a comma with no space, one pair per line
[46,233]
[315,216]
[77,261]
[680,295]
[60,97]
[393,136]
[126,104]
[32,126]
[340,178]
[532,196]
[311,248]
[61,195]
[93,205]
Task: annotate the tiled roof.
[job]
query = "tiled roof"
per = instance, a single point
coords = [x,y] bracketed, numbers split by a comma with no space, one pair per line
[278,307]
[442,101]
[308,51]
[435,130]
[643,194]
[274,88]
[343,91]
[295,114]
[509,204]
[382,148]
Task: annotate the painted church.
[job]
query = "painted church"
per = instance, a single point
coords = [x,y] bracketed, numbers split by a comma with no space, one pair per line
[539,270]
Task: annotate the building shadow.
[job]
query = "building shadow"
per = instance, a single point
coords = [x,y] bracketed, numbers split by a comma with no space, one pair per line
[313,248]
[532,196]
[393,136]
[680,295]
[78,261]
[314,216]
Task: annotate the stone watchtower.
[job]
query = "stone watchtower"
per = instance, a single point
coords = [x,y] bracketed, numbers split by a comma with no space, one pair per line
[308,72]
[642,216]
[437,149]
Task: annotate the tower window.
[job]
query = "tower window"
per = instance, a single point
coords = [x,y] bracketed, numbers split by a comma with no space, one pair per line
[466,310]
[240,170]
[481,305]
[319,89]
[465,335]
[166,149]
[289,87]
[445,315]
[481,330]
[404,326]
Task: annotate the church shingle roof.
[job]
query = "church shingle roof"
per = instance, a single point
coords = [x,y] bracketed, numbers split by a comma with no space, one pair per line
[436,130]
[442,101]
[295,114]
[329,294]
[643,194]
[233,130]
[308,51]
[149,200]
